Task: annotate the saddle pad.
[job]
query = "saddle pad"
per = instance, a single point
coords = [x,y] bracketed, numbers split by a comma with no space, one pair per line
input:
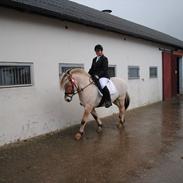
[111,87]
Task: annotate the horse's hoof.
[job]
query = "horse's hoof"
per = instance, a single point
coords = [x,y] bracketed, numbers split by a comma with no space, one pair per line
[120,125]
[78,136]
[99,130]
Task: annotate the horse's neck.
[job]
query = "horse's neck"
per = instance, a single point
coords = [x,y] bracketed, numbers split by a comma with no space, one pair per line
[89,91]
[82,80]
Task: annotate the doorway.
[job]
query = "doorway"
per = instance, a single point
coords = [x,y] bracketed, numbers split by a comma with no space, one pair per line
[171,75]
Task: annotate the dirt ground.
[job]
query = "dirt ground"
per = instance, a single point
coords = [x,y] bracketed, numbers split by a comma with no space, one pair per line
[148,150]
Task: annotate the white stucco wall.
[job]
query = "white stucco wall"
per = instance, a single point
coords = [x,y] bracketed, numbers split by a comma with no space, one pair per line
[30,111]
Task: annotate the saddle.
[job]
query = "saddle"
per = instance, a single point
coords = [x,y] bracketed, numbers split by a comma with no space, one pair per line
[111,87]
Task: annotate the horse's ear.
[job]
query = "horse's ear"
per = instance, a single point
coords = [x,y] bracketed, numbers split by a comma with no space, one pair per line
[68,71]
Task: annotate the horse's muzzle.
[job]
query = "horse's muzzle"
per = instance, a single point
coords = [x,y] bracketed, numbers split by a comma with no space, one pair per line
[68,98]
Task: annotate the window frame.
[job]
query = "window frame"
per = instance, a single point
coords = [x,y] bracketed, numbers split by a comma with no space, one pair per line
[113,66]
[133,67]
[71,65]
[18,64]
[153,67]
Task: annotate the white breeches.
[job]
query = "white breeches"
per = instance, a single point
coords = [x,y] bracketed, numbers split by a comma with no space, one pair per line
[103,82]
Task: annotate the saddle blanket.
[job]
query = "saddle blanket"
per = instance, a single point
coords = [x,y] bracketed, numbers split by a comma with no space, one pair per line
[110,85]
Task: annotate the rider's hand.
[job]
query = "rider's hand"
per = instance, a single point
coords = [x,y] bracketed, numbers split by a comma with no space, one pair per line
[95,78]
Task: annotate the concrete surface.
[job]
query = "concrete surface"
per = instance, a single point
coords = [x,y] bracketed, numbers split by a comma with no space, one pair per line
[148,150]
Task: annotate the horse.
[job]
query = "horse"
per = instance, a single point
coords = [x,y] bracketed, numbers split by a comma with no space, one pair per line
[78,81]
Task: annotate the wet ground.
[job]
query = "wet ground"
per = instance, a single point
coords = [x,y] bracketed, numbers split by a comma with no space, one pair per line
[148,150]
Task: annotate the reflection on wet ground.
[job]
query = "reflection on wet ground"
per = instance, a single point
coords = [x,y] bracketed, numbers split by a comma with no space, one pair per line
[149,149]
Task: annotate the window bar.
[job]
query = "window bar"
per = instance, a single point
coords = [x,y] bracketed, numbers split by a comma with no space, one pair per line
[4,78]
[1,75]
[15,76]
[18,75]
[29,75]
[11,75]
[23,71]
[21,75]
[25,76]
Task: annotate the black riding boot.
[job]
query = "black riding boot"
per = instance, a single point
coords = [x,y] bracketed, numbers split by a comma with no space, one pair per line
[107,97]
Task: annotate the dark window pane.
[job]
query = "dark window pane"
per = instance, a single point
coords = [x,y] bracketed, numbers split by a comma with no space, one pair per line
[67,68]
[14,75]
[133,72]
[111,71]
[153,72]
[64,67]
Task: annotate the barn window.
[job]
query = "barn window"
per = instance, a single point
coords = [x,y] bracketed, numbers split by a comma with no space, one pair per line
[15,74]
[153,72]
[65,66]
[112,70]
[133,72]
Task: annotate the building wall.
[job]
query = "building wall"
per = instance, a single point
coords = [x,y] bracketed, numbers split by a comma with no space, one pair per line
[30,111]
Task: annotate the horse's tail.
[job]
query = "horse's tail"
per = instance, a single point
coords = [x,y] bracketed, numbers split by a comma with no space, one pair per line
[127,100]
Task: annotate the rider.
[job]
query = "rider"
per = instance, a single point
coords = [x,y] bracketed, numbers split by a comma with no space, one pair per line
[100,75]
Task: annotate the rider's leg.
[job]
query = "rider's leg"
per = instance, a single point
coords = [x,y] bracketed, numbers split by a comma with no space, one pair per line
[105,91]
[107,97]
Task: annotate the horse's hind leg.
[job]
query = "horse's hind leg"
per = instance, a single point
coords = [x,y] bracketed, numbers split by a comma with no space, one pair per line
[87,111]
[99,122]
[120,103]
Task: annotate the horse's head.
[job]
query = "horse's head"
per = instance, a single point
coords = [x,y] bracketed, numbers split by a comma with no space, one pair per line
[74,81]
[69,84]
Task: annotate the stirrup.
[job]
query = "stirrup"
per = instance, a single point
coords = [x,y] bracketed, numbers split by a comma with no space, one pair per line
[108,104]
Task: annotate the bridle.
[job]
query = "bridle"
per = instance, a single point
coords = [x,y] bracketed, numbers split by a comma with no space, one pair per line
[73,85]
[75,88]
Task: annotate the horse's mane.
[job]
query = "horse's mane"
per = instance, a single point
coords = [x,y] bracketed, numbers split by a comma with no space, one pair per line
[78,71]
[63,78]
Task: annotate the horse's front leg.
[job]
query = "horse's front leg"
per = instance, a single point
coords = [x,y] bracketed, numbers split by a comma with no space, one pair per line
[87,111]
[99,122]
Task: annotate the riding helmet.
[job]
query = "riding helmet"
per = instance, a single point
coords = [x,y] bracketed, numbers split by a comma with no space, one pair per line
[98,47]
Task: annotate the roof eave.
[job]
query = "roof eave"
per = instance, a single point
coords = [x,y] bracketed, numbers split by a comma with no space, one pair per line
[63,17]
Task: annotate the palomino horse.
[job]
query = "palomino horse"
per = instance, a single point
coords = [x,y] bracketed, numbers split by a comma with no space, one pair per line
[77,81]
